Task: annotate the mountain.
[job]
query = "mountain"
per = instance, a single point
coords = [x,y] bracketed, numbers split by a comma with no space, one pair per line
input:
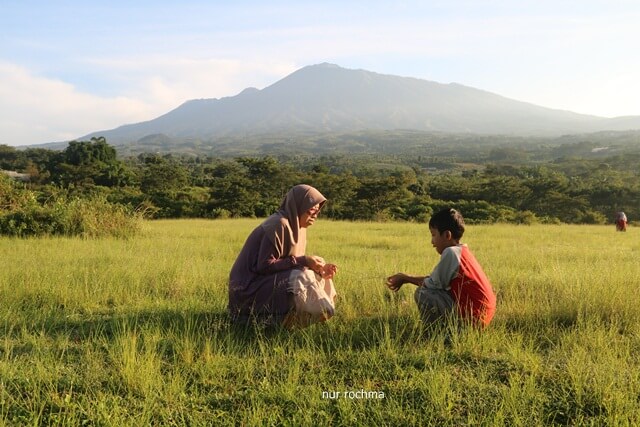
[328,98]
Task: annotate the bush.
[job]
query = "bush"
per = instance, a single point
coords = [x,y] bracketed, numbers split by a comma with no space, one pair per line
[21,215]
[219,213]
[525,217]
[383,215]
[31,221]
[420,211]
[478,211]
[14,196]
[593,217]
[550,220]
[86,218]
[98,218]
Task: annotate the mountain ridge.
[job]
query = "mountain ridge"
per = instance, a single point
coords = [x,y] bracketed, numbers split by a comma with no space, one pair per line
[328,98]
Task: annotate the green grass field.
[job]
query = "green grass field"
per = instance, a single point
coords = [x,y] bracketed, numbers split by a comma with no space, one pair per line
[134,332]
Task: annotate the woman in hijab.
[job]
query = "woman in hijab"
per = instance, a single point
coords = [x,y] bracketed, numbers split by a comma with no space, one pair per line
[272,281]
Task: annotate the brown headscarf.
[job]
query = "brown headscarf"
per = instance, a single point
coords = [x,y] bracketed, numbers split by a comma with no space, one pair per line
[283,227]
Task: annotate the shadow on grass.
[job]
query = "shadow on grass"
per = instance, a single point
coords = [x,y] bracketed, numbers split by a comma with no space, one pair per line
[531,321]
[365,333]
[337,334]
[196,325]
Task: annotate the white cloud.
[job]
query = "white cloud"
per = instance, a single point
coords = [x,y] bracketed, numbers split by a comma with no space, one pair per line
[36,109]
[186,77]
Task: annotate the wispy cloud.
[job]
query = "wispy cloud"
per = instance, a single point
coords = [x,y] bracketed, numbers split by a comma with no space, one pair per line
[37,109]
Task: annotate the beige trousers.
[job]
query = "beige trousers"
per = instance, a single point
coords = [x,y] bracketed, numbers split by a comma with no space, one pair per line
[313,296]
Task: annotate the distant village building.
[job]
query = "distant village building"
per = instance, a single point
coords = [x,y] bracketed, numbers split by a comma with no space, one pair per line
[24,177]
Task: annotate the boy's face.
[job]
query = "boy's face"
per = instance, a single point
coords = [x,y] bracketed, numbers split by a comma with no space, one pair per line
[441,241]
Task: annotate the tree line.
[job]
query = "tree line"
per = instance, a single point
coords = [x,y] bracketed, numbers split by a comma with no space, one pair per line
[372,187]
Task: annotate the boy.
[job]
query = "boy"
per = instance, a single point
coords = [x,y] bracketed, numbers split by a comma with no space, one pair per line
[457,282]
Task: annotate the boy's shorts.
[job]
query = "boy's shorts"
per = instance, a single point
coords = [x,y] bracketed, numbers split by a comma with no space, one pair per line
[433,304]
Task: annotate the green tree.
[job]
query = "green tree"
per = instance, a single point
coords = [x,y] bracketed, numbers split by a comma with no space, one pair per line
[340,191]
[162,175]
[87,163]
[232,191]
[165,181]
[382,198]
[270,180]
[10,158]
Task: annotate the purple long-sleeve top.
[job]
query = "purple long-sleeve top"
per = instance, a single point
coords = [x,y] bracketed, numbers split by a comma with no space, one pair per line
[259,277]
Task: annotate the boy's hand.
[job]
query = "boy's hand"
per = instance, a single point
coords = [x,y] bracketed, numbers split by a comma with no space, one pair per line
[395,282]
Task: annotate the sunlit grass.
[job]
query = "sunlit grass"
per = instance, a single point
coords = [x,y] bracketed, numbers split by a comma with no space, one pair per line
[134,332]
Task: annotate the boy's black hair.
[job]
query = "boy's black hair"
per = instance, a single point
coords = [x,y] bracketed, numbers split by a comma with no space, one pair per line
[448,219]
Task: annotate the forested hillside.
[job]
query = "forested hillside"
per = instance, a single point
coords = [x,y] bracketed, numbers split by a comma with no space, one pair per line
[580,181]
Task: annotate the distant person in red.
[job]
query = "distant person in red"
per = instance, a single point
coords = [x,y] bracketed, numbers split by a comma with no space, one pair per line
[457,284]
[621,221]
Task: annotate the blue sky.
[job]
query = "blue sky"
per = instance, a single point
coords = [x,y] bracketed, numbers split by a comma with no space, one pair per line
[68,68]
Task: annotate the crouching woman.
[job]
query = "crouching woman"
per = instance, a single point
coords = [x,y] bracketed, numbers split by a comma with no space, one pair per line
[273,281]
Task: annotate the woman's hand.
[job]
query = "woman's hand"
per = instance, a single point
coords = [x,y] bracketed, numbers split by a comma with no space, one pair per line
[328,271]
[317,264]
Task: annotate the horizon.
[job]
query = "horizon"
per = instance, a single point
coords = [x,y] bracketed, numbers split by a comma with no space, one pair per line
[71,68]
